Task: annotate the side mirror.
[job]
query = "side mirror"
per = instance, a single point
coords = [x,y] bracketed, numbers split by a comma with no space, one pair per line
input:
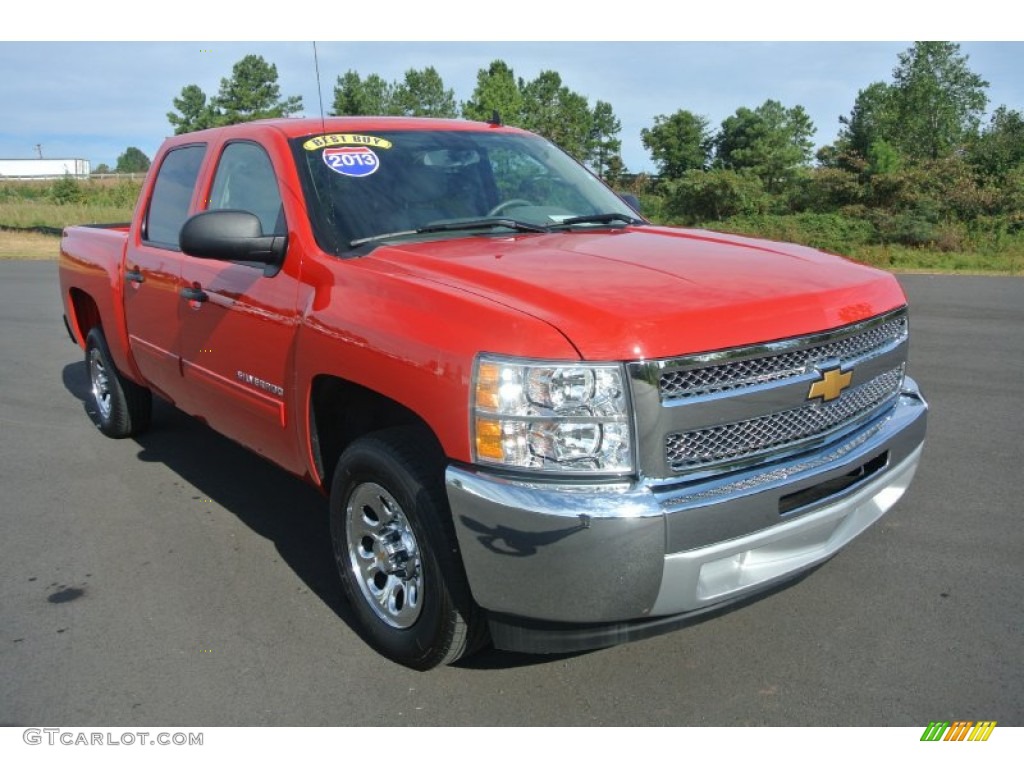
[631,200]
[228,235]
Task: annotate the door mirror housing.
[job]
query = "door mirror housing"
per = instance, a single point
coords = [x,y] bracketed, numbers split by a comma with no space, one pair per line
[229,235]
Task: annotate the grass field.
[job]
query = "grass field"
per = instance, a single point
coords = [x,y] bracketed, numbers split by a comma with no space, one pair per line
[28,214]
[28,246]
[897,258]
[26,207]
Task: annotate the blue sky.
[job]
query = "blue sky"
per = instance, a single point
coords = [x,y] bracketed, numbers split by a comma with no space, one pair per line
[94,99]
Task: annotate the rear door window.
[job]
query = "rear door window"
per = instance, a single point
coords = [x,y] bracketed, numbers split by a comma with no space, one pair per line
[172,195]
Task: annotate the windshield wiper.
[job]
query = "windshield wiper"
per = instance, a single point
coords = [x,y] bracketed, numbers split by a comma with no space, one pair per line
[385,236]
[598,218]
[456,225]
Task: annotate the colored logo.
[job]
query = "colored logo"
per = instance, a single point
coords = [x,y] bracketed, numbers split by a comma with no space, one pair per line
[341,139]
[960,730]
[830,385]
[351,161]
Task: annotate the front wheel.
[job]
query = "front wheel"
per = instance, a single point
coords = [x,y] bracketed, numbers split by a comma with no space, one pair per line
[396,551]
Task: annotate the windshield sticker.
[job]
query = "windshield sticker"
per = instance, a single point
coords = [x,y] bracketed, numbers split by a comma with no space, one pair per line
[345,139]
[351,161]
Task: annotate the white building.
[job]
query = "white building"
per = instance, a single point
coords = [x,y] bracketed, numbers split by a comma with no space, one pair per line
[30,169]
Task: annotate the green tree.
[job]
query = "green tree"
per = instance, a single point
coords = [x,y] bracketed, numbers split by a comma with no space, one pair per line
[883,157]
[102,168]
[616,171]
[557,113]
[496,89]
[132,160]
[1000,147]
[252,93]
[771,142]
[356,96]
[678,143]
[422,94]
[716,194]
[931,109]
[1011,196]
[194,111]
[576,129]
[604,142]
[937,101]
[67,191]
[827,189]
[872,119]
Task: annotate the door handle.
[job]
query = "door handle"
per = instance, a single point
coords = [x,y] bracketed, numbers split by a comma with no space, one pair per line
[134,276]
[194,293]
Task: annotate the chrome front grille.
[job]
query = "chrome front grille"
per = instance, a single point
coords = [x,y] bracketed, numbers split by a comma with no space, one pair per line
[751,438]
[710,377]
[735,408]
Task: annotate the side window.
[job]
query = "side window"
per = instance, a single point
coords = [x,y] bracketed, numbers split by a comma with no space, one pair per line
[172,194]
[245,181]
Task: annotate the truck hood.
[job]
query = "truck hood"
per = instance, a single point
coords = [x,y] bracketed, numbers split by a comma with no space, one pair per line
[652,292]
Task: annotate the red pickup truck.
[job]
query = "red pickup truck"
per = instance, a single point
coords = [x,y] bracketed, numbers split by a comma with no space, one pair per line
[538,417]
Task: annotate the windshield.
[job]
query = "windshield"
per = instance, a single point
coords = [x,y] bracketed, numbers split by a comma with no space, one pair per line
[363,189]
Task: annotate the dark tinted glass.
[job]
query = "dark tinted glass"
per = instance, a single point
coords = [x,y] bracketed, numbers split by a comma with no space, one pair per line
[172,194]
[245,181]
[363,187]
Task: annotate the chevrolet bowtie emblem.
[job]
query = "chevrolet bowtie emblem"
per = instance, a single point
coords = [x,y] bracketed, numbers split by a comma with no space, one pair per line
[830,385]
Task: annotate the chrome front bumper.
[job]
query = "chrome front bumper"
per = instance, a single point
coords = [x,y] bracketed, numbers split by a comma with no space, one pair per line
[613,553]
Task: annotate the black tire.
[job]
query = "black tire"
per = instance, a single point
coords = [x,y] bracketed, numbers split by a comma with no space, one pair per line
[120,407]
[396,551]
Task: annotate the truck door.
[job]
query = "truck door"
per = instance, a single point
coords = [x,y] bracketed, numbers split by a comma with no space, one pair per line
[152,271]
[238,326]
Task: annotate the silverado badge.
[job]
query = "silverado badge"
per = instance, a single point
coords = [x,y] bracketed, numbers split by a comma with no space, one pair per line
[830,385]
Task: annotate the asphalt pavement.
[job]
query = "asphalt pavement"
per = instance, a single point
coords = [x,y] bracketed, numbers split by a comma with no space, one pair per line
[178,579]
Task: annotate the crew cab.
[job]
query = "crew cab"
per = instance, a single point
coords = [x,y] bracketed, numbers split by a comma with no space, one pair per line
[538,418]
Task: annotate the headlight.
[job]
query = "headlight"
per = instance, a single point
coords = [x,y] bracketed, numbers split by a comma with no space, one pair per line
[560,417]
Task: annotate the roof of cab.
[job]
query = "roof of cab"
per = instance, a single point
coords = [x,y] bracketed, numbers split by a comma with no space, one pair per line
[294,127]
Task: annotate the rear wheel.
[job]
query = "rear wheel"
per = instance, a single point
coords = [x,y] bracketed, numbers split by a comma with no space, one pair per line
[396,551]
[122,407]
